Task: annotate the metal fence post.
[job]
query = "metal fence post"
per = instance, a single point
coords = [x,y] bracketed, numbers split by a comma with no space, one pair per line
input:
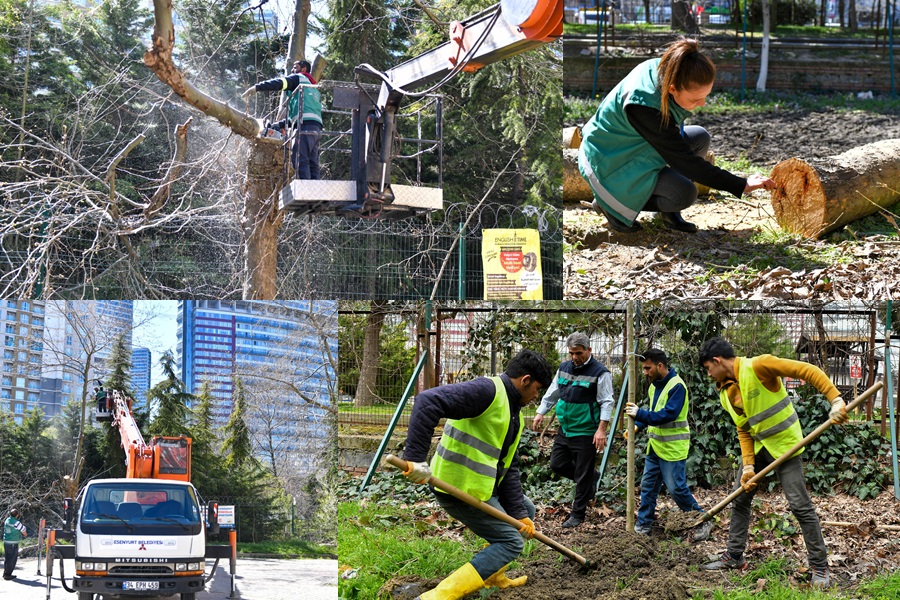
[461,290]
[889,375]
[394,420]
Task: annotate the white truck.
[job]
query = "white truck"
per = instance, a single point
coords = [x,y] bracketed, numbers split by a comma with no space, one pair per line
[143,535]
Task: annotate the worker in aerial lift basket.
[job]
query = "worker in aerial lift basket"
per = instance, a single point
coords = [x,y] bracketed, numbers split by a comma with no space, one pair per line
[305,154]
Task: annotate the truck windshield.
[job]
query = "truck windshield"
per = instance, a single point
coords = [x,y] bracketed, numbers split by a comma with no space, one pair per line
[132,505]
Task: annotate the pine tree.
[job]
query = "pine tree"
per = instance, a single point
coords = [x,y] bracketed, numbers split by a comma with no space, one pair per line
[172,400]
[238,448]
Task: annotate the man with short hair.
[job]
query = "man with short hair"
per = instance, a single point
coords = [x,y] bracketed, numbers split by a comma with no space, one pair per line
[477,453]
[669,444]
[13,532]
[583,395]
[752,392]
[305,153]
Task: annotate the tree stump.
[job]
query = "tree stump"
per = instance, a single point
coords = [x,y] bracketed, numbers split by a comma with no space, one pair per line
[817,196]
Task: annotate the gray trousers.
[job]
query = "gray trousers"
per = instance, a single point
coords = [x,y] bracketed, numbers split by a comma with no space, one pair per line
[674,192]
[790,474]
[506,543]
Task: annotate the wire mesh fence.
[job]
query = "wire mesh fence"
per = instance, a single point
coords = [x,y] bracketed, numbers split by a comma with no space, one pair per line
[847,341]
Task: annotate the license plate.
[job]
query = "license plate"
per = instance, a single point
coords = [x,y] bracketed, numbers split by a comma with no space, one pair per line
[140,585]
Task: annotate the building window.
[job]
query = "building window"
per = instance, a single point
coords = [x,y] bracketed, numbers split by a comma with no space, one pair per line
[20,394]
[26,306]
[11,304]
[23,330]
[24,318]
[32,397]
[9,354]
[23,356]
[7,380]
[18,407]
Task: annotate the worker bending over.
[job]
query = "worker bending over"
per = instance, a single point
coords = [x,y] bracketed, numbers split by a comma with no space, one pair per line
[477,453]
[752,392]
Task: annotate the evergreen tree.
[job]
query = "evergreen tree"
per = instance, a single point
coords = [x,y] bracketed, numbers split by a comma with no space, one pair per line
[172,400]
[238,448]
[358,32]
[65,431]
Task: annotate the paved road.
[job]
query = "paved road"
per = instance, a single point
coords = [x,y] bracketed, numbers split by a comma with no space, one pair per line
[257,579]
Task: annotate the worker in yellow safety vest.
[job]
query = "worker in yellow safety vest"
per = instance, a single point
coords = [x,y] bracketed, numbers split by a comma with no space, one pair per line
[477,453]
[752,392]
[670,442]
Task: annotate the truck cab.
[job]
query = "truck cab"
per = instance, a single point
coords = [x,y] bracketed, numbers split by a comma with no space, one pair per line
[139,537]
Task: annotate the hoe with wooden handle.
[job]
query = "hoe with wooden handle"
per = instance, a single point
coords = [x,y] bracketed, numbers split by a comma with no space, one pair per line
[498,514]
[777,462]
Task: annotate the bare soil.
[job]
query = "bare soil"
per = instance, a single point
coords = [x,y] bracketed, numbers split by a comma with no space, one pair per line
[739,252]
[666,566]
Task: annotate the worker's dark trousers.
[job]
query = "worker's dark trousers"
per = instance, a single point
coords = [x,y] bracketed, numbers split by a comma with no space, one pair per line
[10,556]
[506,543]
[674,192]
[790,474]
[573,458]
[305,154]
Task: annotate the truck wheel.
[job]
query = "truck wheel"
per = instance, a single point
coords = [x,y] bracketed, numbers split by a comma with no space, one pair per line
[191,596]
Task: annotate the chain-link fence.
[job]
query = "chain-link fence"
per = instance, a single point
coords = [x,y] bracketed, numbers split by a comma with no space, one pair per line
[468,340]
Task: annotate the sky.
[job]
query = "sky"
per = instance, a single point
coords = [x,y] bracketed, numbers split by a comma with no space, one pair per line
[156,328]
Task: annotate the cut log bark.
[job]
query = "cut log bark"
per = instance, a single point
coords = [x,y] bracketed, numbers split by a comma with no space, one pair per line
[818,196]
[575,188]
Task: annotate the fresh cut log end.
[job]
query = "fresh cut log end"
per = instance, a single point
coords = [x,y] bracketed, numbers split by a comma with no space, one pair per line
[798,198]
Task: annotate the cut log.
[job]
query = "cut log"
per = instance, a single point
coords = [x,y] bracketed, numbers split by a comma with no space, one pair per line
[575,188]
[817,196]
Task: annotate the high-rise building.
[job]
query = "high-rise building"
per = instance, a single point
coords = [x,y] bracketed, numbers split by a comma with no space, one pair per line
[79,332]
[23,345]
[279,351]
[141,360]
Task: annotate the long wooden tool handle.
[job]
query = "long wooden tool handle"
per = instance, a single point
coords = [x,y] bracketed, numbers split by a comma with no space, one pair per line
[483,506]
[777,462]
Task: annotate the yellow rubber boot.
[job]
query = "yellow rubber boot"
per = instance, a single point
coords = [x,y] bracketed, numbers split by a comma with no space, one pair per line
[458,584]
[500,580]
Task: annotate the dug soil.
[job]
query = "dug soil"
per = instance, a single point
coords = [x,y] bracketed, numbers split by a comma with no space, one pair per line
[667,565]
[727,257]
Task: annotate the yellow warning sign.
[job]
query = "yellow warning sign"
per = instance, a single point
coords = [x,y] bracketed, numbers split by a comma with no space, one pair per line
[512,264]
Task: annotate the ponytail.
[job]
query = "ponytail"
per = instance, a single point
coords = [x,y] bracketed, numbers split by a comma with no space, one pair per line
[683,66]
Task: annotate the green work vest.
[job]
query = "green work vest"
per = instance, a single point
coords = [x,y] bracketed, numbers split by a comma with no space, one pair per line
[312,102]
[620,165]
[671,441]
[768,416]
[468,455]
[10,533]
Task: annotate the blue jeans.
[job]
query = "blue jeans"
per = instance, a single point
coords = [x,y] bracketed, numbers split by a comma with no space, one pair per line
[506,543]
[656,472]
[674,192]
[305,154]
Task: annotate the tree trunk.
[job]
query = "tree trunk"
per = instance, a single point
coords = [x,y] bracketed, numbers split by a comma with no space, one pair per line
[261,219]
[261,216]
[297,45]
[854,24]
[764,53]
[366,394]
[817,196]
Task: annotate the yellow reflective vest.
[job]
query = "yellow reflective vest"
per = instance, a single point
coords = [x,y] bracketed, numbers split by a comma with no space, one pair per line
[670,441]
[468,455]
[768,416]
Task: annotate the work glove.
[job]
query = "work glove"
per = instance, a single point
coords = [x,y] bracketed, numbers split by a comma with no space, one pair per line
[748,474]
[631,410]
[417,472]
[527,528]
[249,92]
[626,435]
[838,413]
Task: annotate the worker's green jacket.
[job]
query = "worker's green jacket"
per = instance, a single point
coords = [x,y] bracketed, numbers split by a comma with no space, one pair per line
[768,416]
[620,165]
[312,99]
[469,453]
[13,530]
